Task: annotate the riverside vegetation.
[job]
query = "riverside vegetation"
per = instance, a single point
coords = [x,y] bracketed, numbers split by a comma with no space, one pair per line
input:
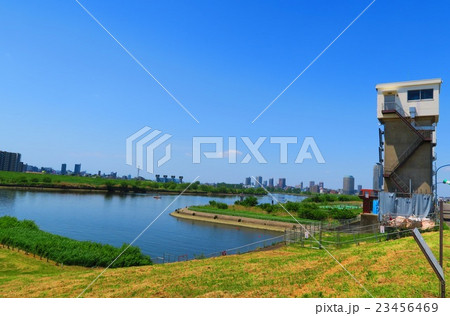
[27,236]
[316,208]
[68,182]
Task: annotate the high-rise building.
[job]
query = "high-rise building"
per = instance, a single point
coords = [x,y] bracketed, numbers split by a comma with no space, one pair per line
[10,161]
[320,185]
[248,181]
[77,169]
[409,112]
[301,185]
[64,169]
[271,183]
[314,189]
[265,183]
[359,188]
[311,184]
[258,182]
[282,183]
[349,185]
[378,177]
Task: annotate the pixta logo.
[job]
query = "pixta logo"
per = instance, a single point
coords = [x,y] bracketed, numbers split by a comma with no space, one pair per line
[306,151]
[141,146]
[147,140]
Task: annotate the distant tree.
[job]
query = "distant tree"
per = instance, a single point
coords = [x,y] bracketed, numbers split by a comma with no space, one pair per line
[248,201]
[124,186]
[109,186]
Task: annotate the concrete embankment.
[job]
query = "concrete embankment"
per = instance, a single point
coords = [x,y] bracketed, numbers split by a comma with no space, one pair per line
[185,213]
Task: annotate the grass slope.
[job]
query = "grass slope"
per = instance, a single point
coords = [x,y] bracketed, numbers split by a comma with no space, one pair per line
[390,269]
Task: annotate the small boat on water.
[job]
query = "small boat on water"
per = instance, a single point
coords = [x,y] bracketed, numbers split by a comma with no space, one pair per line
[157,197]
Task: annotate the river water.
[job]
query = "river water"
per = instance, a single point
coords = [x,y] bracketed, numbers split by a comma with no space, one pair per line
[116,219]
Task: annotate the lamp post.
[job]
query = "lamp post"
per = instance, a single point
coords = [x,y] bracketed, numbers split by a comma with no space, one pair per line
[441,222]
[435,185]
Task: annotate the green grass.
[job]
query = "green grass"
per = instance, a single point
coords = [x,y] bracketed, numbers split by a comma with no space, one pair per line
[250,214]
[26,236]
[395,268]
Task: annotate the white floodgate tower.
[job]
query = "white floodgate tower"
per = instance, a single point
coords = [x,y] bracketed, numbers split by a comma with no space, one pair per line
[409,112]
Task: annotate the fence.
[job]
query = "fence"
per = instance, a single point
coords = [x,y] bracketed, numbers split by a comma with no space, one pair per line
[257,245]
[341,236]
[315,236]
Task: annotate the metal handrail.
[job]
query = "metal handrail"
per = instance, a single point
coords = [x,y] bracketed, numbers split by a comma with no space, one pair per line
[393,106]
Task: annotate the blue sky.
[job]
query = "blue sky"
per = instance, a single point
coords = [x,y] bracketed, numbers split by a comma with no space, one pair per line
[69,93]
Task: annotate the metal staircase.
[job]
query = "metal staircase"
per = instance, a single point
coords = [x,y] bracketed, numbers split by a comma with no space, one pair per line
[393,108]
[422,136]
[399,183]
[403,157]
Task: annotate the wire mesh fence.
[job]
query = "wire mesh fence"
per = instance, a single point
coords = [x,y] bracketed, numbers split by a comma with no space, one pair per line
[318,236]
[315,236]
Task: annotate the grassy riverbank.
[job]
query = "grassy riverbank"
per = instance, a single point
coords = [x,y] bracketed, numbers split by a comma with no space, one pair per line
[44,181]
[394,268]
[27,236]
[250,212]
[305,212]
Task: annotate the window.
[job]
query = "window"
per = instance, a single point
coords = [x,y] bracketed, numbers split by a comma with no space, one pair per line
[413,95]
[425,94]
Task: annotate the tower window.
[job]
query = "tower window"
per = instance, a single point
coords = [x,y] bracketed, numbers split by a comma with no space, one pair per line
[425,94]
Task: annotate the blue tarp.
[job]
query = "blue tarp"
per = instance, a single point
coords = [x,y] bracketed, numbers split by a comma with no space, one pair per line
[389,204]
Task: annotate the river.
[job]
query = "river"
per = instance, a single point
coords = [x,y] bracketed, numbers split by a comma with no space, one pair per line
[118,219]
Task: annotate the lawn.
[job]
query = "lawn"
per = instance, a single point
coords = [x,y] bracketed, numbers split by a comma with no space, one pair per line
[395,268]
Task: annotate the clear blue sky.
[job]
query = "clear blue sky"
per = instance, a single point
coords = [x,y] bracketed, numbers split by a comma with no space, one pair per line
[69,93]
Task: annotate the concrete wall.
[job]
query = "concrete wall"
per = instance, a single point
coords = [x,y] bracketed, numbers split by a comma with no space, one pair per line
[418,168]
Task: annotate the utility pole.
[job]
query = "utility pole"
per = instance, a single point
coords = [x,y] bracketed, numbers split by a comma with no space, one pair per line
[441,233]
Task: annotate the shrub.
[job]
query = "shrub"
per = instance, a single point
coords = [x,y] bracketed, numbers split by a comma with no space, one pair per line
[219,205]
[124,186]
[342,213]
[269,208]
[346,198]
[292,206]
[22,180]
[248,201]
[311,211]
[109,186]
[47,180]
[222,206]
[318,215]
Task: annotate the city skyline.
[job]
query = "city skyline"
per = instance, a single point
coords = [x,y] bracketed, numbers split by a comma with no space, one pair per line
[11,162]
